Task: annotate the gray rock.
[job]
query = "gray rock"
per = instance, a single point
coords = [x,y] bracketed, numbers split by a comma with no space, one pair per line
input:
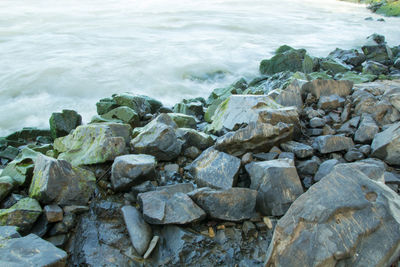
[192,107]
[300,150]
[277,183]
[136,102]
[350,126]
[325,168]
[234,204]
[332,143]
[386,145]
[192,152]
[215,169]
[256,137]
[57,181]
[22,214]
[365,149]
[152,246]
[366,130]
[317,122]
[130,170]
[353,155]
[195,138]
[339,221]
[6,186]
[183,120]
[30,250]
[291,95]
[266,156]
[372,168]
[7,232]
[53,213]
[374,68]
[352,57]
[63,123]
[330,102]
[320,88]
[58,240]
[122,114]
[139,231]
[308,167]
[170,205]
[286,155]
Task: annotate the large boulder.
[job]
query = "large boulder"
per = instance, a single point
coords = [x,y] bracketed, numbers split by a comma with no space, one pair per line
[320,88]
[57,181]
[234,204]
[386,145]
[332,143]
[346,219]
[22,214]
[378,52]
[93,143]
[207,171]
[277,183]
[61,124]
[158,138]
[130,170]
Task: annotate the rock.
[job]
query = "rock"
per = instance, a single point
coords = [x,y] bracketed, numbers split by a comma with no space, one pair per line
[256,137]
[152,245]
[380,53]
[372,168]
[192,152]
[136,102]
[286,155]
[61,124]
[291,95]
[234,204]
[397,63]
[65,226]
[277,183]
[9,153]
[8,232]
[130,170]
[53,213]
[320,88]
[334,67]
[58,240]
[332,143]
[93,143]
[207,172]
[325,168]
[309,167]
[386,145]
[300,150]
[57,181]
[159,139]
[123,114]
[26,135]
[21,168]
[352,57]
[247,158]
[183,120]
[139,231]
[105,105]
[392,93]
[169,206]
[317,122]
[366,130]
[350,126]
[355,77]
[30,250]
[192,107]
[6,186]
[353,155]
[330,102]
[375,68]
[195,138]
[354,214]
[23,214]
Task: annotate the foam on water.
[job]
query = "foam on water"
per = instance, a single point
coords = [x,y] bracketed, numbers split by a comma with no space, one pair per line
[70,53]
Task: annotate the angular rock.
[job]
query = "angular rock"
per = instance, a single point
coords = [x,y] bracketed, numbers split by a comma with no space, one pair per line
[300,150]
[191,137]
[332,143]
[215,169]
[352,57]
[123,114]
[53,213]
[21,168]
[61,124]
[317,122]
[57,181]
[234,204]
[325,168]
[372,168]
[105,105]
[193,107]
[309,167]
[330,102]
[93,143]
[353,155]
[320,88]
[366,130]
[380,53]
[291,95]
[6,186]
[139,231]
[9,153]
[136,102]
[346,228]
[130,170]
[23,214]
[374,68]
[386,145]
[277,183]
[183,120]
[333,67]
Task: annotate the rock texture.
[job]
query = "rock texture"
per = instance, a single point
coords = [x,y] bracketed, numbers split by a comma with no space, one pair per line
[386,145]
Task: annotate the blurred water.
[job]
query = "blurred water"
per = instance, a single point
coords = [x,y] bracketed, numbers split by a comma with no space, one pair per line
[70,53]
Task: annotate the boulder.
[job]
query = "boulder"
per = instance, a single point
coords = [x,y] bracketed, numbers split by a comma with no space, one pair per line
[277,183]
[57,181]
[193,107]
[6,186]
[207,172]
[380,53]
[374,68]
[234,204]
[291,95]
[355,77]
[346,219]
[325,168]
[332,143]
[366,130]
[256,137]
[93,143]
[171,205]
[159,139]
[21,168]
[372,168]
[105,105]
[300,150]
[123,114]
[333,67]
[320,88]
[22,214]
[130,170]
[351,57]
[136,102]
[386,145]
[191,137]
[61,124]
[330,102]
[183,120]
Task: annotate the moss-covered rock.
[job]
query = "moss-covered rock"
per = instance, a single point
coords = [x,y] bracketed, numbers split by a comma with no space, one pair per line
[6,185]
[356,77]
[334,67]
[63,123]
[183,120]
[193,107]
[23,214]
[122,114]
[136,102]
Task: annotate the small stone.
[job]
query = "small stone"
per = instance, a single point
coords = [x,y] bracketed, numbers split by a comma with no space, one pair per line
[267,222]
[330,102]
[247,158]
[365,149]
[353,155]
[152,245]
[366,130]
[286,155]
[192,152]
[211,232]
[58,240]
[53,213]
[317,122]
[309,167]
[76,209]
[249,229]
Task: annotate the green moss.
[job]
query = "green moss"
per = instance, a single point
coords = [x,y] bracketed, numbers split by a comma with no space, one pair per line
[390,9]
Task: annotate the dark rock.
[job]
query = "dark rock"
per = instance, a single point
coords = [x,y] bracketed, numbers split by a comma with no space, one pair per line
[325,168]
[23,214]
[353,155]
[374,68]
[41,226]
[192,152]
[350,126]
[195,138]
[183,120]
[11,200]
[9,153]
[105,105]
[234,204]
[266,156]
[309,167]
[352,57]
[193,107]
[320,88]
[207,171]
[333,66]
[61,124]
[386,145]
[6,186]
[64,226]
[332,143]
[366,130]
[300,150]
[58,240]
[75,209]
[25,136]
[317,122]
[380,53]
[136,102]
[291,95]
[53,213]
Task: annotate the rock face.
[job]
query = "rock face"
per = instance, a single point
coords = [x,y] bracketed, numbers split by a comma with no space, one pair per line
[22,214]
[235,204]
[57,181]
[277,183]
[158,138]
[130,170]
[332,143]
[30,250]
[256,137]
[93,143]
[313,234]
[61,124]
[386,145]
[170,206]
[215,169]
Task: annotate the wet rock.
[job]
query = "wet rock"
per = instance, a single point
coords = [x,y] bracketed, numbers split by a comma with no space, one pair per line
[234,204]
[325,168]
[277,183]
[333,67]
[320,88]
[23,214]
[57,181]
[159,139]
[183,120]
[193,107]
[124,115]
[136,102]
[53,213]
[332,143]
[353,212]
[8,232]
[139,231]
[195,138]
[130,170]
[317,122]
[256,137]
[30,250]
[380,53]
[93,143]
[366,130]
[9,153]
[352,57]
[375,68]
[61,124]
[170,205]
[207,171]
[330,102]
[386,145]
[6,186]
[300,150]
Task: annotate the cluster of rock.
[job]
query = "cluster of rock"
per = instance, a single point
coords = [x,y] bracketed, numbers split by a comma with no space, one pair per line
[287,170]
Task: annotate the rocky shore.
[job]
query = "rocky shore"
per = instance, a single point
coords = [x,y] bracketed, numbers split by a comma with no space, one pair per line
[298,167]
[390,8]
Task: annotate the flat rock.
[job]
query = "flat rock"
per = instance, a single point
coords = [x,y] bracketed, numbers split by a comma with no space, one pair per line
[183,120]
[22,214]
[346,219]
[215,169]
[234,204]
[332,143]
[386,145]
[299,149]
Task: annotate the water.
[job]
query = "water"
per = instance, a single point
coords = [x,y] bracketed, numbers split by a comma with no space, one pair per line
[70,53]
